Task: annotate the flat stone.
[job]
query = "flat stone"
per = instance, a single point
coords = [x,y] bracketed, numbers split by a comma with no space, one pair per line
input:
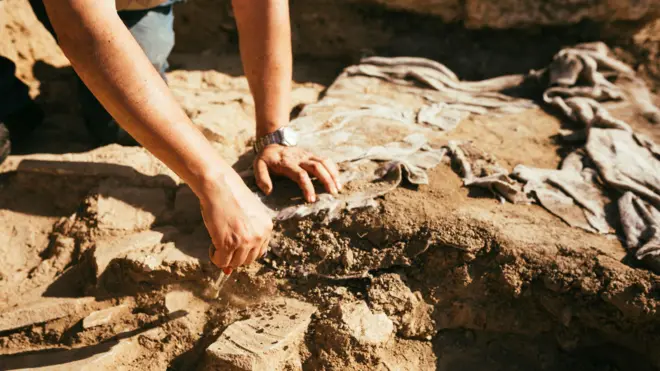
[364,326]
[265,342]
[104,316]
[186,206]
[45,310]
[135,165]
[178,300]
[108,355]
[160,262]
[126,208]
[147,259]
[106,251]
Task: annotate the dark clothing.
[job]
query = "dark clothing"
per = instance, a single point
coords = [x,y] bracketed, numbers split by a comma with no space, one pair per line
[153,29]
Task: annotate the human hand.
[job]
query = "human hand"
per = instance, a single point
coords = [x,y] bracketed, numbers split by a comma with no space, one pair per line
[237,221]
[297,164]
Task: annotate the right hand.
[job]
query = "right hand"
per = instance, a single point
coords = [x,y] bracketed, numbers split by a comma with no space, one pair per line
[237,221]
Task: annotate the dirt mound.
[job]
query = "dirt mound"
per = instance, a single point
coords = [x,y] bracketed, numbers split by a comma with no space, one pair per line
[104,253]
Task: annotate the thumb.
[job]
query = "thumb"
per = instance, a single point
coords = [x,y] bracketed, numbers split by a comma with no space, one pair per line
[262,176]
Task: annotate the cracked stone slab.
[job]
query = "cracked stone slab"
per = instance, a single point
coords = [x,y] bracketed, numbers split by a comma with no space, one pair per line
[154,257]
[109,355]
[135,165]
[105,251]
[268,341]
[45,310]
[116,208]
[104,316]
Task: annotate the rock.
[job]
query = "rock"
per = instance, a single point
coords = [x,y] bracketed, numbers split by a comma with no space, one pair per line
[119,209]
[104,316]
[447,10]
[348,258]
[47,309]
[409,312]
[144,258]
[227,124]
[178,300]
[410,355]
[366,327]
[525,13]
[316,23]
[163,263]
[135,165]
[57,257]
[186,206]
[108,355]
[105,251]
[269,341]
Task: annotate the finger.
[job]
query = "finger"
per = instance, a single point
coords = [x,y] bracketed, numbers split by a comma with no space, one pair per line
[221,258]
[252,256]
[300,176]
[331,167]
[264,249]
[239,257]
[319,171]
[262,176]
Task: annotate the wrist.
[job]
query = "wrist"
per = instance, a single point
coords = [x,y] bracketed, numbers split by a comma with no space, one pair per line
[214,180]
[268,127]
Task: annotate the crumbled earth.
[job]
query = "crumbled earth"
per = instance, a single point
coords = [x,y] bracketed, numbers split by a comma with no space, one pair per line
[104,255]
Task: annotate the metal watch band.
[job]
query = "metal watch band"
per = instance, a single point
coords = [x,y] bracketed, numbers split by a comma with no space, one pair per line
[272,138]
[276,137]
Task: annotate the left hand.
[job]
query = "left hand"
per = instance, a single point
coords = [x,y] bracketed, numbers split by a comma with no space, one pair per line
[297,164]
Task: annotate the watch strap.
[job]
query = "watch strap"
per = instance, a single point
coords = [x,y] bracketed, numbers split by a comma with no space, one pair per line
[275,137]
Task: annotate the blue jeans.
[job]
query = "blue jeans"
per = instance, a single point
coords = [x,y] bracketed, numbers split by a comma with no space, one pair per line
[153,29]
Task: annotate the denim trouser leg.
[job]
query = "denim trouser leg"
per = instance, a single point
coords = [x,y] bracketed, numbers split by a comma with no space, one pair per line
[153,29]
[13,91]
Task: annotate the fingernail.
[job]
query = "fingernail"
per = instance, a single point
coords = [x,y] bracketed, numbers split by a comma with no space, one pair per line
[339,186]
[312,199]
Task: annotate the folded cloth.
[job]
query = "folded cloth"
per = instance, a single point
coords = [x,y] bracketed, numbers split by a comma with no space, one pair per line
[640,222]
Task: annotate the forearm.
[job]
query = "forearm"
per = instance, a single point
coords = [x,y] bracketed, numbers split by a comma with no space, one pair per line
[265,43]
[116,70]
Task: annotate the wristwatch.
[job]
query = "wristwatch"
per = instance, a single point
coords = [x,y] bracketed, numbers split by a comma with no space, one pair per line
[284,136]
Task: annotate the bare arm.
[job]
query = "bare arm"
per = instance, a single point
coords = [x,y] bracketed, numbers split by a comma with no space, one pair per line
[116,70]
[265,42]
[111,63]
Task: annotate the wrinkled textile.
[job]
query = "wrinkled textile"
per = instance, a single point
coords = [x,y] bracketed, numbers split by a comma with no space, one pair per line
[379,121]
[624,164]
[472,96]
[641,225]
[579,81]
[376,171]
[614,161]
[573,193]
[479,169]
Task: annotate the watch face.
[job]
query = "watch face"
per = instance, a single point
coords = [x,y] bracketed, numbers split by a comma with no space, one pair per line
[289,137]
